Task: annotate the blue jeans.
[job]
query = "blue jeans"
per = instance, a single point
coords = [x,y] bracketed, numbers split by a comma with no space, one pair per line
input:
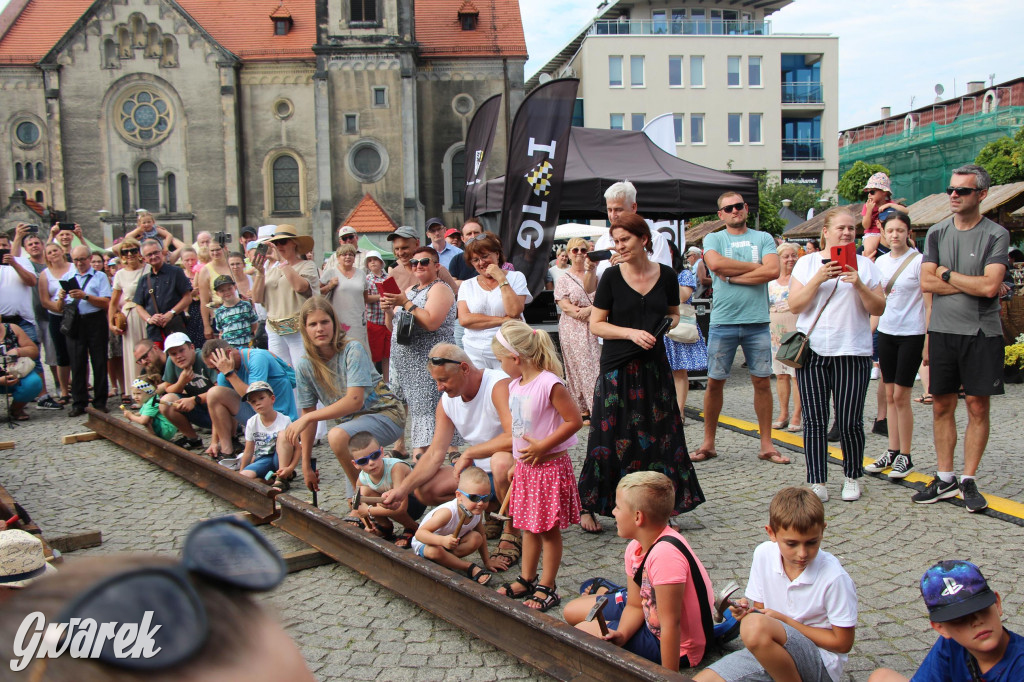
[723,339]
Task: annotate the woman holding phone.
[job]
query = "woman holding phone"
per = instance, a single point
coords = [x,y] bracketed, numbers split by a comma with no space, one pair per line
[635,423]
[835,292]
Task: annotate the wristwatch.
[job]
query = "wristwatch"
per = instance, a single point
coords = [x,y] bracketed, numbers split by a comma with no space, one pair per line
[945,275]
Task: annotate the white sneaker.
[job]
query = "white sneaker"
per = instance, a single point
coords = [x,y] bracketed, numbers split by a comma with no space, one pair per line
[851,490]
[876,373]
[820,490]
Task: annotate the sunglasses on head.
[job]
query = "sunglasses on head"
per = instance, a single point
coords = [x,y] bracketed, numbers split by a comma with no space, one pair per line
[224,551]
[962,191]
[438,362]
[474,497]
[372,457]
[733,207]
[422,261]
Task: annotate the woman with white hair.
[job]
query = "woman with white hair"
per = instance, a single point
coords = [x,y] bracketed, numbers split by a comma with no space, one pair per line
[782,321]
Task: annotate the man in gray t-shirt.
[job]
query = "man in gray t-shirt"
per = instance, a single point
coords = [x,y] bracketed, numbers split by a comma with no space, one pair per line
[742,261]
[963,267]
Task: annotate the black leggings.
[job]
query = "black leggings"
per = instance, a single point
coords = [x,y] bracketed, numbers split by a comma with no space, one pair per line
[60,344]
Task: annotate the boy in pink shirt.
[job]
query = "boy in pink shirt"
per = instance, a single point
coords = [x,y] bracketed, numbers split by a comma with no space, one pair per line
[659,615]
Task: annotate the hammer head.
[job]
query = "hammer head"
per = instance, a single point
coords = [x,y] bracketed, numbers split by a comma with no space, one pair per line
[355,504]
[598,607]
[465,512]
[723,598]
[500,517]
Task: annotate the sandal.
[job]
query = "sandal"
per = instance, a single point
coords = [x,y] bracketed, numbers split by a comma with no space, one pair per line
[474,573]
[795,428]
[775,457]
[592,585]
[404,541]
[512,553]
[593,519]
[126,400]
[781,424]
[925,399]
[703,455]
[550,600]
[398,455]
[510,590]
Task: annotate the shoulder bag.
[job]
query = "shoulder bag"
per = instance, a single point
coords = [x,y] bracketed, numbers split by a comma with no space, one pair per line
[686,330]
[793,348]
[69,318]
[892,280]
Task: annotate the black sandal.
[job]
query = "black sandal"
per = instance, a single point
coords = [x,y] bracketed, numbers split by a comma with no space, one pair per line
[593,517]
[475,572]
[550,600]
[510,591]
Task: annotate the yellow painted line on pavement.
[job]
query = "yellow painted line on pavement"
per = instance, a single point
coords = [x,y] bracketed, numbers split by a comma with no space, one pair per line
[995,503]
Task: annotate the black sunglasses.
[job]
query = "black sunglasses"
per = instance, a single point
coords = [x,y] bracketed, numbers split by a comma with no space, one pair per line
[962,191]
[346,237]
[438,362]
[422,261]
[733,207]
[225,550]
[129,252]
[372,457]
[475,497]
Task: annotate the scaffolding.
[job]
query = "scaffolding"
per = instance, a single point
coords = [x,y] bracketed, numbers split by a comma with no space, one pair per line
[920,157]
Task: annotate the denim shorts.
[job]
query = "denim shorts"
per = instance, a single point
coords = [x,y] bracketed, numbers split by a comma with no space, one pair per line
[643,643]
[723,339]
[263,466]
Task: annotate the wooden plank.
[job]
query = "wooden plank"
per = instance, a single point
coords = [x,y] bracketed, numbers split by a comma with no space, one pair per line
[7,445]
[74,541]
[73,438]
[538,639]
[306,558]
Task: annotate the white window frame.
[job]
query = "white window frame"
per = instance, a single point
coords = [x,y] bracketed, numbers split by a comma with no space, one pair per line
[728,127]
[681,132]
[373,97]
[621,68]
[682,71]
[632,122]
[739,70]
[760,128]
[643,80]
[698,59]
[760,71]
[622,121]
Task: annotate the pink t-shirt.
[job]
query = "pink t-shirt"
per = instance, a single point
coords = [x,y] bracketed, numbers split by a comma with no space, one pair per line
[667,566]
[533,413]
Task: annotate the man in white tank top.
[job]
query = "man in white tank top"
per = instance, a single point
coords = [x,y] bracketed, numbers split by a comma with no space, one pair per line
[475,403]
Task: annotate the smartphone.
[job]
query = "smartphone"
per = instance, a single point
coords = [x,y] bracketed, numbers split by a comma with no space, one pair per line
[32,229]
[261,249]
[389,286]
[662,327]
[3,254]
[603,254]
[845,255]
[65,227]
[69,284]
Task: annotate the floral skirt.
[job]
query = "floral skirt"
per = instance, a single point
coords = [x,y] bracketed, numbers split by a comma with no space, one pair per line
[635,426]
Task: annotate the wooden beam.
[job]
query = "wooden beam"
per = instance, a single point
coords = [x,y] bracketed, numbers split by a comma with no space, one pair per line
[306,558]
[7,445]
[80,438]
[74,541]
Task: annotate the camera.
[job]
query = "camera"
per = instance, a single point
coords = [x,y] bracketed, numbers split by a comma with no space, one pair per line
[65,227]
[222,238]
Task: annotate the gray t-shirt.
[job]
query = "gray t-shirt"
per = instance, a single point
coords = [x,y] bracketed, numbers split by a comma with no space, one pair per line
[966,252]
[740,303]
[352,367]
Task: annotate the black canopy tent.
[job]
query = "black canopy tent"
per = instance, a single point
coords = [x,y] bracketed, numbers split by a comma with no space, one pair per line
[667,186]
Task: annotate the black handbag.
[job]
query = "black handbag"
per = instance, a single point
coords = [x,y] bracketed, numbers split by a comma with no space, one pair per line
[70,317]
[404,323]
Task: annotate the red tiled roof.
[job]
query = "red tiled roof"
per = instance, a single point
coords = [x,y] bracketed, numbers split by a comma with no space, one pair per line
[499,31]
[243,27]
[281,13]
[368,216]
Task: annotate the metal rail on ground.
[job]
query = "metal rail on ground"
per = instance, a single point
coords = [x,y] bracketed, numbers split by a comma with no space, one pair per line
[537,639]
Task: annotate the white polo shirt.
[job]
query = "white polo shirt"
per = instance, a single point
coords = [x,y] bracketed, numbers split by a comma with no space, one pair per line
[823,596]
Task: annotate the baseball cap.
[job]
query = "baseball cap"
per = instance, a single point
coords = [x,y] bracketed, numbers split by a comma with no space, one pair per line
[694,249]
[22,561]
[346,229]
[248,229]
[221,281]
[403,232]
[452,231]
[878,181]
[176,339]
[257,386]
[953,589]
[373,254]
[434,221]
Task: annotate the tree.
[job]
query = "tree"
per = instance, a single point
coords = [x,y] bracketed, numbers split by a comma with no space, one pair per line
[1004,159]
[852,183]
[767,216]
[802,197]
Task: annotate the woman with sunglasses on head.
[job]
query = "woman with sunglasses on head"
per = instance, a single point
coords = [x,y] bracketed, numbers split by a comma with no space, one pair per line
[432,306]
[194,617]
[834,303]
[486,301]
[635,425]
[581,351]
[51,296]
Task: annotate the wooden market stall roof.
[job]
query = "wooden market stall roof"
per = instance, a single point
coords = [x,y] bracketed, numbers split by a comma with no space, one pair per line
[812,228]
[696,234]
[935,208]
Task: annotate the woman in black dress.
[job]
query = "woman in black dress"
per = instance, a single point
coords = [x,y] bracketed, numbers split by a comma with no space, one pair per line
[635,423]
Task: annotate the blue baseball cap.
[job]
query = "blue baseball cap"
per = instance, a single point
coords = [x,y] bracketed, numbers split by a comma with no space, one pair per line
[953,589]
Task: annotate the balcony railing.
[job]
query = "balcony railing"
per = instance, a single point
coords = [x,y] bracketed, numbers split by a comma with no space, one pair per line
[801,150]
[802,92]
[688,27]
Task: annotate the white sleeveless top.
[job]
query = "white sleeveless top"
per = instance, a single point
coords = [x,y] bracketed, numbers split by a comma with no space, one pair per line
[449,528]
[476,420]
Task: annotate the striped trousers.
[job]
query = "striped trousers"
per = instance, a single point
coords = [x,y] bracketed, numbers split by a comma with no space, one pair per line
[846,378]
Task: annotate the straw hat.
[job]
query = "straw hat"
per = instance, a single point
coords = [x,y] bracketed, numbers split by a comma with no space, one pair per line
[303,242]
[21,559]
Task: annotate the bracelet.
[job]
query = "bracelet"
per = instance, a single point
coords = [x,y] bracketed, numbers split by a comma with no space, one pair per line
[504,284]
[727,280]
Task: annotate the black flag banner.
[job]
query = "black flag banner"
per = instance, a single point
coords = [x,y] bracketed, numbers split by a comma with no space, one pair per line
[538,147]
[479,139]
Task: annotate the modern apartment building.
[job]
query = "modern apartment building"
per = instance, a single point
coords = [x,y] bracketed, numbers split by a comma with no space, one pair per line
[743,98]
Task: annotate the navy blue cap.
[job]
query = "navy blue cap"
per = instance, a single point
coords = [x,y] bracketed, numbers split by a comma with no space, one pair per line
[953,589]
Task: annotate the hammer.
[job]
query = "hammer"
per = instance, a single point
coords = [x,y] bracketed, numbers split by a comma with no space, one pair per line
[724,600]
[598,612]
[464,516]
[366,522]
[500,514]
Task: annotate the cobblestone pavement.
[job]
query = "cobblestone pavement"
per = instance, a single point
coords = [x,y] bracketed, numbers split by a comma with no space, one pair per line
[352,629]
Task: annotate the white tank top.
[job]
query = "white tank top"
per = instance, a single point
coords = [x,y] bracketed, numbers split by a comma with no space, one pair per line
[476,420]
[449,528]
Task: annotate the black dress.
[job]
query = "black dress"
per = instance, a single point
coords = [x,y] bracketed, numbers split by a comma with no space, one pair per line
[635,423]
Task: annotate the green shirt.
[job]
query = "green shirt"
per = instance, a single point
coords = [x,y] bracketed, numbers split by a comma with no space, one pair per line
[161,425]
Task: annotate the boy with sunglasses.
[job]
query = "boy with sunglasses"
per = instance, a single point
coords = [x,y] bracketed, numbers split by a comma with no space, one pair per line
[444,540]
[377,475]
[264,452]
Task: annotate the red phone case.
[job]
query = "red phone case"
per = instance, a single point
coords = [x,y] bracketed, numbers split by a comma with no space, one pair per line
[389,286]
[845,255]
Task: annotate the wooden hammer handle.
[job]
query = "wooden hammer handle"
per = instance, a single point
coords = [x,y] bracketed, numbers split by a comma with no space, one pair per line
[458,528]
[504,503]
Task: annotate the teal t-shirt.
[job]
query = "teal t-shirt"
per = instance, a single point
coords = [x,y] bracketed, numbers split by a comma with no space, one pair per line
[161,425]
[740,303]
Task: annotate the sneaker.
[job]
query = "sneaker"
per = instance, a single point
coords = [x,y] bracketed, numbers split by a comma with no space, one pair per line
[820,490]
[851,490]
[230,462]
[189,443]
[48,403]
[973,500]
[876,373]
[901,466]
[883,462]
[833,433]
[936,490]
[880,427]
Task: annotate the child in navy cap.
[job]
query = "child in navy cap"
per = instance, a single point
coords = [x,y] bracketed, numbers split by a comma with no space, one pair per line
[974,645]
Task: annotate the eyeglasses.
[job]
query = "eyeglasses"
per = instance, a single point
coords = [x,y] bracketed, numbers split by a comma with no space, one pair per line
[224,551]
[482,258]
[439,362]
[129,252]
[962,191]
[372,457]
[82,260]
[475,498]
[733,207]
[347,237]
[151,254]
[422,261]
[578,250]
[475,238]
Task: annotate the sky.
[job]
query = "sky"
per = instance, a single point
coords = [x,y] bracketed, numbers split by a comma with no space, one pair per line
[889,52]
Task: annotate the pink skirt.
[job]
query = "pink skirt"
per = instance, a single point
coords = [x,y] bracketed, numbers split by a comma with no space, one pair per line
[545,496]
